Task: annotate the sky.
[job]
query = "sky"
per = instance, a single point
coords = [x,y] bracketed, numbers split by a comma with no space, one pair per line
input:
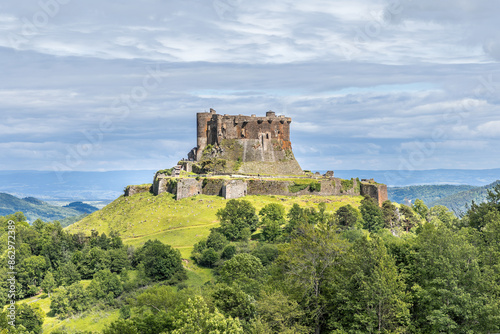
[370,84]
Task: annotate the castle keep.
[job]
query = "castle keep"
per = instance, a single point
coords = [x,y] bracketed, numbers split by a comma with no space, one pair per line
[245,144]
[241,155]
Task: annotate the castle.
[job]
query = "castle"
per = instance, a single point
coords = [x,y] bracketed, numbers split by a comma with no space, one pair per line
[241,155]
[244,144]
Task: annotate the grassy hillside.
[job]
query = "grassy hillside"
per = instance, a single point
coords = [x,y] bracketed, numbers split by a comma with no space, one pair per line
[34,208]
[458,202]
[427,193]
[180,223]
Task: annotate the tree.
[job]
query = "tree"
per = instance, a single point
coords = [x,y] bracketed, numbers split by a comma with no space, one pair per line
[233,302]
[216,240]
[280,314]
[241,266]
[369,296]
[372,215]
[348,217]
[409,219]
[237,216]
[105,285]
[30,316]
[198,319]
[49,283]
[209,257]
[306,265]
[273,212]
[295,217]
[451,293]
[161,262]
[228,252]
[273,216]
[121,326]
[67,274]
[421,209]
[266,253]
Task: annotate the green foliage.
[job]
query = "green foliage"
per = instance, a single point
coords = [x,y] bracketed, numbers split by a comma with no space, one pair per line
[161,262]
[296,187]
[266,253]
[105,286]
[306,265]
[346,185]
[421,209]
[209,257]
[232,301]
[237,216]
[30,317]
[216,240]
[228,252]
[70,300]
[390,214]
[197,318]
[315,186]
[49,283]
[67,274]
[370,296]
[348,217]
[240,267]
[372,215]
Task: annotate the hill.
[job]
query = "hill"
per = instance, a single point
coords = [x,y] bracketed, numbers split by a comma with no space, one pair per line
[459,202]
[427,193]
[34,208]
[182,223]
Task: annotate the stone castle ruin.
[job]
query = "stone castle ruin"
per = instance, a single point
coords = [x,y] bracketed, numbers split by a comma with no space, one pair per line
[244,144]
[241,155]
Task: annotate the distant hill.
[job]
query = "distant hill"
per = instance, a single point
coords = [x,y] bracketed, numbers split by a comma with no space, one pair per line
[401,178]
[71,186]
[459,202]
[34,208]
[427,193]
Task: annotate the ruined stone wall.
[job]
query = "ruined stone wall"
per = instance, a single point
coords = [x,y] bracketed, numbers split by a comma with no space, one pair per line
[212,186]
[188,188]
[376,191]
[234,189]
[132,190]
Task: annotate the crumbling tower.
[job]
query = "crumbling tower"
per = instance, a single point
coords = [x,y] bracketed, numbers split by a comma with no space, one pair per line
[258,144]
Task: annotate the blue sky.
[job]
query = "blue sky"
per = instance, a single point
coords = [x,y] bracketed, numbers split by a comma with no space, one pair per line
[370,84]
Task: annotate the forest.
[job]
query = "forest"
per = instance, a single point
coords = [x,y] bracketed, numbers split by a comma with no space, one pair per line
[390,269]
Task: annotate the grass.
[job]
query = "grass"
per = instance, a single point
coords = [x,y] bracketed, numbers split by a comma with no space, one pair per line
[182,223]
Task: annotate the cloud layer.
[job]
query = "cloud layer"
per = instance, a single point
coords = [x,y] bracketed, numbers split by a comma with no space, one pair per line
[369,84]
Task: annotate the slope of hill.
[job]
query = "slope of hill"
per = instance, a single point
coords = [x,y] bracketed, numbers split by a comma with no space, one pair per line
[34,208]
[427,193]
[459,202]
[182,223]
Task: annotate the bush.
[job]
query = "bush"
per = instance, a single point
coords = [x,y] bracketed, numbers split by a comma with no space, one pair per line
[161,262]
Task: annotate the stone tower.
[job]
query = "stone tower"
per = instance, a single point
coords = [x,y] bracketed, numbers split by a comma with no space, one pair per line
[250,144]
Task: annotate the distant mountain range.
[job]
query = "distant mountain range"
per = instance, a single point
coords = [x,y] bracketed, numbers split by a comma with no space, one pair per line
[71,186]
[401,178]
[34,208]
[455,198]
